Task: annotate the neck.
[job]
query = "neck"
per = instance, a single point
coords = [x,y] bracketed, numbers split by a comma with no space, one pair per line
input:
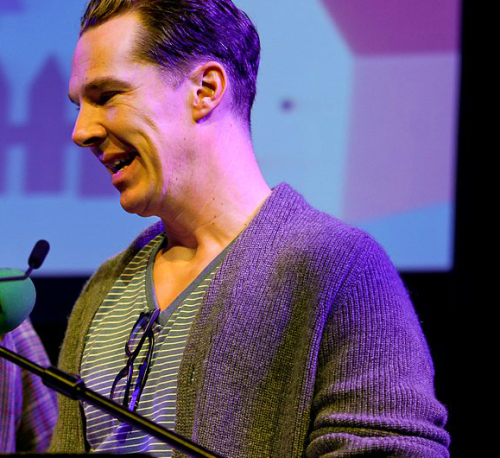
[229,192]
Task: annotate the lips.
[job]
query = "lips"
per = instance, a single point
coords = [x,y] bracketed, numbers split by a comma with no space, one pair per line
[116,162]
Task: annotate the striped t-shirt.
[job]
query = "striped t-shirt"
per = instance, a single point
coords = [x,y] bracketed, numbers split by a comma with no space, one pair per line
[104,354]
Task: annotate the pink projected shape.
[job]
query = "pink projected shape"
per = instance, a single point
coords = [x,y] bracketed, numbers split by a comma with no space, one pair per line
[402,129]
[402,140]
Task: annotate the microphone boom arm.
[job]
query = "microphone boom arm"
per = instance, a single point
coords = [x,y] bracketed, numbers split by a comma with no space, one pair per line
[74,387]
[19,277]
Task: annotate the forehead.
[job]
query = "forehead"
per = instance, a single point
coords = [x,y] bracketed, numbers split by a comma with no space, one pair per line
[105,51]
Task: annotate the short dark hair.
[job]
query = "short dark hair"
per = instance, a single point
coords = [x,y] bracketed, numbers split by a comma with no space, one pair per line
[178,34]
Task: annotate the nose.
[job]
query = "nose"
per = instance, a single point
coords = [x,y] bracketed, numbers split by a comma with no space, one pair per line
[88,130]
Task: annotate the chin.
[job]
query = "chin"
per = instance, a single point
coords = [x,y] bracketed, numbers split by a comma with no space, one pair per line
[136,206]
[133,206]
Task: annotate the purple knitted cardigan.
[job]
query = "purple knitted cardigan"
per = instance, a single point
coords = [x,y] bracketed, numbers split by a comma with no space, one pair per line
[306,344]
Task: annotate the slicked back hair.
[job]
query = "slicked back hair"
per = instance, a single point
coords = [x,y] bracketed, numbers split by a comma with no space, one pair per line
[179,34]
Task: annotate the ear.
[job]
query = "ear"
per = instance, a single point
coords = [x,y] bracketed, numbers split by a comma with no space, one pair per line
[210,84]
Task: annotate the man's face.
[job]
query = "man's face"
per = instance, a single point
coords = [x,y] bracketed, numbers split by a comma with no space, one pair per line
[135,124]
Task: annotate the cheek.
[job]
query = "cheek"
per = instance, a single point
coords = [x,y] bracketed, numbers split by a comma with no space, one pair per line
[114,115]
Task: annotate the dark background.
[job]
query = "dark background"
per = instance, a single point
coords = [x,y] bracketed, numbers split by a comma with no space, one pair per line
[440,298]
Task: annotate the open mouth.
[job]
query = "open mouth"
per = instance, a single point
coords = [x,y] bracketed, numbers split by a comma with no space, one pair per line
[122,162]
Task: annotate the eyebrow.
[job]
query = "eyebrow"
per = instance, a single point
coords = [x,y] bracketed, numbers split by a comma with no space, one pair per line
[103,84]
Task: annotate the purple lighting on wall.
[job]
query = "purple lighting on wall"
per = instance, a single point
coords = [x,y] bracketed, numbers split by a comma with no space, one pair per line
[9,6]
[4,133]
[397,26]
[45,138]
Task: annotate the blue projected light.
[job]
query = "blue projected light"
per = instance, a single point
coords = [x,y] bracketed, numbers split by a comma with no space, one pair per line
[326,120]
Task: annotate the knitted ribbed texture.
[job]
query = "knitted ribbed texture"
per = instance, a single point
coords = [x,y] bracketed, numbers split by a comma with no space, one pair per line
[306,343]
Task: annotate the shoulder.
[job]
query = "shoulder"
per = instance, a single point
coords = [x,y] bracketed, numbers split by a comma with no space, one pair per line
[99,284]
[310,234]
[289,240]
[27,343]
[112,268]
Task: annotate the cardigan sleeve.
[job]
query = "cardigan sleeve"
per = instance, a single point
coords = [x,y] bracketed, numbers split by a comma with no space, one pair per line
[374,388]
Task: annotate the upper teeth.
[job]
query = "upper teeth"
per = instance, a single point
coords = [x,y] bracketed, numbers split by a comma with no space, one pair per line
[120,161]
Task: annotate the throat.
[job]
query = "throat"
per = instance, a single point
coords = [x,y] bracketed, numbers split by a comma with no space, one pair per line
[170,279]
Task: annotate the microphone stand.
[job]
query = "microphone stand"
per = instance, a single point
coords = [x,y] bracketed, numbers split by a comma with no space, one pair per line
[74,387]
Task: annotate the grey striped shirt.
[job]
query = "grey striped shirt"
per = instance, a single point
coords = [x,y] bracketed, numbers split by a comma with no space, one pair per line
[104,354]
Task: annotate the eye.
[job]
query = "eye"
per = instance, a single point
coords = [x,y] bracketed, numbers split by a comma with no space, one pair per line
[105,97]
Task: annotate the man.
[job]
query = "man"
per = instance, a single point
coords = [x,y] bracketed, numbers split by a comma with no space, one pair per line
[245,319]
[28,409]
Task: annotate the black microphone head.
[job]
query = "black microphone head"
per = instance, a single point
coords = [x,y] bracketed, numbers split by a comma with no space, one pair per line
[38,254]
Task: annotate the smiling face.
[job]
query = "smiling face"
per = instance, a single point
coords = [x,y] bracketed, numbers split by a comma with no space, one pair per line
[137,125]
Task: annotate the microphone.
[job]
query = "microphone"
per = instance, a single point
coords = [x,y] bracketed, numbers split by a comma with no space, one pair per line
[38,254]
[17,292]
[17,299]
